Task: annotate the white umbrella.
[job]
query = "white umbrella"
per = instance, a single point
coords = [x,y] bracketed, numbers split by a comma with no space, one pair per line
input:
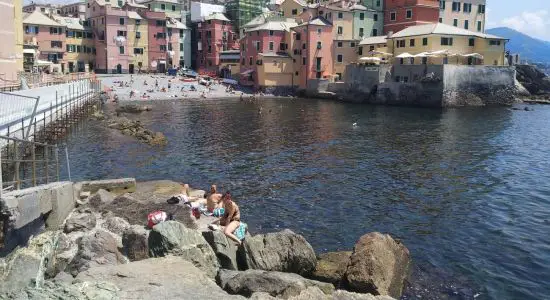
[404,55]
[380,53]
[374,59]
[476,55]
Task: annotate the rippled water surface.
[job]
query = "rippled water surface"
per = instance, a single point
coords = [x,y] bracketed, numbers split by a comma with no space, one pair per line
[467,191]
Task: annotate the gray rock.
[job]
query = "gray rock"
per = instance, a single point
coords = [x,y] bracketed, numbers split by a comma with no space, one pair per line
[283,251]
[331,267]
[276,284]
[64,253]
[135,241]
[63,277]
[115,225]
[345,295]
[80,221]
[158,278]
[63,291]
[100,198]
[378,265]
[26,265]
[95,249]
[225,249]
[174,238]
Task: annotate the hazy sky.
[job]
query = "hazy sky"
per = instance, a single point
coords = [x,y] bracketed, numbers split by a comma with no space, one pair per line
[528,16]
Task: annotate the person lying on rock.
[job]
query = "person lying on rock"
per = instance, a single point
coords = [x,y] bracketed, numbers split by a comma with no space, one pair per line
[231,219]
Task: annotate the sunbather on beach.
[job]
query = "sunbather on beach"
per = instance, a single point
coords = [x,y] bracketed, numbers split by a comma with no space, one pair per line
[231,218]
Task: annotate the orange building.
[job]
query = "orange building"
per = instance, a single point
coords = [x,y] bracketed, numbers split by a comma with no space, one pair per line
[400,14]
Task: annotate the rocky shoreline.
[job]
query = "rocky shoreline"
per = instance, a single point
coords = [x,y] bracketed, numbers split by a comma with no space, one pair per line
[103,250]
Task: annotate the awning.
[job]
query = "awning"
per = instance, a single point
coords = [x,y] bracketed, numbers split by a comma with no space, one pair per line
[404,55]
[372,59]
[422,54]
[247,72]
[439,52]
[41,63]
[476,55]
[29,51]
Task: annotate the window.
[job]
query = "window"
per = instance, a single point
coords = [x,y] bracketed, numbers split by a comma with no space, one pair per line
[170,46]
[56,44]
[169,31]
[181,33]
[467,7]
[162,47]
[282,46]
[56,30]
[393,16]
[121,50]
[442,4]
[78,34]
[455,22]
[304,60]
[375,32]
[319,45]
[89,35]
[271,32]
[371,48]
[352,44]
[304,46]
[138,22]
[479,26]
[440,20]
[339,45]
[319,31]
[340,15]
[209,48]
[401,44]
[456,6]
[138,35]
[138,50]
[31,29]
[163,6]
[250,60]
[121,33]
[361,32]
[472,42]
[340,29]
[377,2]
[375,17]
[173,8]
[445,41]
[298,36]
[271,46]
[120,3]
[411,43]
[294,12]
[161,23]
[409,13]
[70,48]
[494,43]
[257,46]
[161,35]
[361,16]
[425,42]
[339,58]
[121,21]
[360,51]
[481,9]
[466,24]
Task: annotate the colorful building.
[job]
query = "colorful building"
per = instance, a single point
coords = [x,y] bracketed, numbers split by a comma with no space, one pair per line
[292,8]
[400,14]
[138,42]
[75,10]
[176,33]
[367,22]
[376,46]
[157,41]
[172,8]
[312,50]
[214,35]
[48,9]
[445,44]
[469,15]
[79,45]
[11,48]
[49,35]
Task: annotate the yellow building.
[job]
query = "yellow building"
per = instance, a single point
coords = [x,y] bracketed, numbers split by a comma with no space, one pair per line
[138,41]
[345,52]
[444,44]
[79,45]
[275,70]
[292,8]
[11,35]
[374,46]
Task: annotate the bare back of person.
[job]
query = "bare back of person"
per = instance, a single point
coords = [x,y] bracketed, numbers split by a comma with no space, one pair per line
[213,201]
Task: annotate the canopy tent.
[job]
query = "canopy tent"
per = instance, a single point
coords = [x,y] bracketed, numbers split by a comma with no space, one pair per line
[369,58]
[29,51]
[404,55]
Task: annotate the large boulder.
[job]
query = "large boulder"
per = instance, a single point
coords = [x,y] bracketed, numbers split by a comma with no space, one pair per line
[116,225]
[64,253]
[378,265]
[158,278]
[101,197]
[276,284]
[331,267]
[65,291]
[26,265]
[283,251]
[97,248]
[80,220]
[174,238]
[135,241]
[225,249]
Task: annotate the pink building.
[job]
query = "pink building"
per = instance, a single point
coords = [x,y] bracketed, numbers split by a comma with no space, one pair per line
[270,37]
[158,45]
[214,35]
[313,44]
[48,35]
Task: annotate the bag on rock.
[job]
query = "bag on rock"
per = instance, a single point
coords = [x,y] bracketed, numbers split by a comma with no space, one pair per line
[156,217]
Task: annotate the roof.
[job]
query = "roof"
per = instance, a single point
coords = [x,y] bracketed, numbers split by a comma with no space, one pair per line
[134,15]
[442,29]
[103,3]
[165,1]
[173,23]
[71,23]
[216,16]
[38,18]
[374,40]
[133,3]
[319,21]
[259,20]
[275,26]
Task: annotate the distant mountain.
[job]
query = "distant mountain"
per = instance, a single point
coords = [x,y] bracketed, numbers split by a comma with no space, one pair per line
[531,49]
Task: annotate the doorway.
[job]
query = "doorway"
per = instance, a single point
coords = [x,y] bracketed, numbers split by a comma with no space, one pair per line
[119,69]
[131,68]
[71,67]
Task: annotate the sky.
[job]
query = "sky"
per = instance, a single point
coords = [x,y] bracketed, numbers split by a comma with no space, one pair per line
[528,16]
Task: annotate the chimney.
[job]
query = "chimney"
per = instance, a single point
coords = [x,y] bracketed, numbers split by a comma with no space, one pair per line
[390,33]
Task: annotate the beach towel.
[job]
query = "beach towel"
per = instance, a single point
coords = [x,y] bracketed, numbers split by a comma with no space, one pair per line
[218,212]
[156,217]
[240,231]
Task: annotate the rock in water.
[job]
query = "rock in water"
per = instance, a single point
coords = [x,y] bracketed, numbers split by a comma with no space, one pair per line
[81,220]
[331,267]
[283,251]
[276,284]
[174,238]
[378,265]
[96,249]
[225,250]
[158,278]
[135,241]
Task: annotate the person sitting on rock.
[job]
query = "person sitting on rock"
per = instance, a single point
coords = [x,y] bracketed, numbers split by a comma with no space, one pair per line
[213,199]
[231,219]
